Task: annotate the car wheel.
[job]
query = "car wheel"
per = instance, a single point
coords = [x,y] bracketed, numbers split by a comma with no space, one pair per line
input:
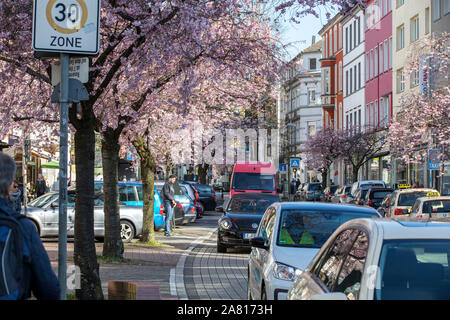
[221,248]
[127,232]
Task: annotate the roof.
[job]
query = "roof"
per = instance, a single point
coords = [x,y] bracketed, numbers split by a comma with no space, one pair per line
[327,206]
[316,47]
[433,198]
[416,190]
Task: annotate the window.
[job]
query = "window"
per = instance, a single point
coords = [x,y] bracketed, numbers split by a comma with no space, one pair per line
[372,118]
[311,128]
[327,81]
[376,114]
[400,3]
[384,7]
[340,76]
[376,62]
[414,31]
[311,96]
[400,80]
[380,57]
[367,114]
[359,75]
[371,73]
[386,111]
[389,5]
[400,37]
[354,70]
[351,80]
[359,30]
[355,43]
[367,67]
[346,122]
[414,80]
[346,82]
[329,264]
[350,38]
[312,64]
[385,59]
[427,20]
[390,53]
[346,40]
[349,279]
[359,119]
[335,39]
[436,10]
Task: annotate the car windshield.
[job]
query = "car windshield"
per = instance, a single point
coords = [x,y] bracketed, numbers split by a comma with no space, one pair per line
[311,228]
[372,185]
[253,181]
[408,199]
[203,188]
[43,200]
[333,189]
[250,205]
[348,189]
[315,187]
[436,206]
[363,193]
[380,194]
[414,269]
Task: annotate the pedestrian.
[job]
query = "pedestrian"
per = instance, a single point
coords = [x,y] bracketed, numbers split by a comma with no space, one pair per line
[26,268]
[41,186]
[15,198]
[168,195]
[297,184]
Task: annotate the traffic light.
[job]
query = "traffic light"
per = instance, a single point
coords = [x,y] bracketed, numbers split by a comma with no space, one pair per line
[294,170]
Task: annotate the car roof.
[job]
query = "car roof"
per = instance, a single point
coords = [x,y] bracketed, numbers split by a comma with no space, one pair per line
[433,198]
[326,206]
[406,229]
[415,190]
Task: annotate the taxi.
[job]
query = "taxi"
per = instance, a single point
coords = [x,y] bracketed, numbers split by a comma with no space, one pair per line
[402,200]
[431,207]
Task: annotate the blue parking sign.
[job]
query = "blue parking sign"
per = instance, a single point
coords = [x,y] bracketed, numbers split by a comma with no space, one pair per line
[295,163]
[283,167]
[433,159]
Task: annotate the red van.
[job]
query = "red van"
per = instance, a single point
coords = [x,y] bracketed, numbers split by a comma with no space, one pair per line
[259,177]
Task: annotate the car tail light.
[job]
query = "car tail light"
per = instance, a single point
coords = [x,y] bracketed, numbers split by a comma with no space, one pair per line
[344,196]
[193,210]
[399,212]
[329,194]
[179,206]
[419,216]
[371,203]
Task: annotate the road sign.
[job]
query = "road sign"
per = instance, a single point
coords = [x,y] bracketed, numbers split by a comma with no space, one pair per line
[433,159]
[295,163]
[283,167]
[78,69]
[66,26]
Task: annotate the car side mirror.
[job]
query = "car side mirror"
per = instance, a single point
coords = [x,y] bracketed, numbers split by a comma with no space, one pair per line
[259,242]
[219,209]
[53,205]
[330,296]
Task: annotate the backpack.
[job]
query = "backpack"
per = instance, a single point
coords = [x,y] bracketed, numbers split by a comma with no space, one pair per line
[14,252]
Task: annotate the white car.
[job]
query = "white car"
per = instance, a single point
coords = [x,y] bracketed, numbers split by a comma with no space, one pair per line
[436,207]
[366,184]
[380,259]
[288,237]
[402,200]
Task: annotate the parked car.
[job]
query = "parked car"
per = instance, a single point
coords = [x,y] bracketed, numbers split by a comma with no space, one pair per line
[312,191]
[44,213]
[360,196]
[379,259]
[194,207]
[241,217]
[431,207]
[367,184]
[131,193]
[288,237]
[206,196]
[328,193]
[341,194]
[183,205]
[402,200]
[253,177]
[375,196]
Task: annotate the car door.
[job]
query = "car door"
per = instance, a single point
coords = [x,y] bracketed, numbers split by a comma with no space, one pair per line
[51,215]
[258,256]
[99,215]
[321,276]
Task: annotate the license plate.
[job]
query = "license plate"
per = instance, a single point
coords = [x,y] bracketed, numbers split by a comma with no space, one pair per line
[440,215]
[249,235]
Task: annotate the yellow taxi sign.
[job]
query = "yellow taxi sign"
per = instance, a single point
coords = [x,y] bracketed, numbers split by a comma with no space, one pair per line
[433,194]
[404,186]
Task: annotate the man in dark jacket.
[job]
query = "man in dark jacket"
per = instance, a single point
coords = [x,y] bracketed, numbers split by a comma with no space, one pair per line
[41,186]
[168,195]
[38,276]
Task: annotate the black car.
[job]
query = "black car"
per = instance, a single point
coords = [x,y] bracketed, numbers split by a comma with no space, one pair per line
[205,195]
[376,195]
[360,196]
[241,217]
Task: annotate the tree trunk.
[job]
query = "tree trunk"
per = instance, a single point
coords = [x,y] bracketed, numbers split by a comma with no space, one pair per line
[113,245]
[355,173]
[85,256]
[203,173]
[148,169]
[324,179]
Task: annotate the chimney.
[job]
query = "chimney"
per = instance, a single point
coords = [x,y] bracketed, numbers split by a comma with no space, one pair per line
[313,40]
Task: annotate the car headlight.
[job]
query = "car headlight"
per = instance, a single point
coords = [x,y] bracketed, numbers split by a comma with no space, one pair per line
[225,224]
[284,272]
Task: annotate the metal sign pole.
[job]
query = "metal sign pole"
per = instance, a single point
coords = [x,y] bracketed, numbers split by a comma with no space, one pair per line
[64,120]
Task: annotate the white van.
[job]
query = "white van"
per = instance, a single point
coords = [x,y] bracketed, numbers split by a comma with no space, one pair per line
[367,184]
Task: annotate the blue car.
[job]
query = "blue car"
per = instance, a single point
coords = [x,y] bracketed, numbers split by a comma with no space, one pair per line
[130,193]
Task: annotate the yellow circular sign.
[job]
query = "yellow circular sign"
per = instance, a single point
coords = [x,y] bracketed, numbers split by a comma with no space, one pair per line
[63,16]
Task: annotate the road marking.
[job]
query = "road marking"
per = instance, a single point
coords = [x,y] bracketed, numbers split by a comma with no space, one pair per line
[177,280]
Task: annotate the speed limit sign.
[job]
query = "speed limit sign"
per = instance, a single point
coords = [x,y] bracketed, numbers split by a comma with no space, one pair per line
[66,26]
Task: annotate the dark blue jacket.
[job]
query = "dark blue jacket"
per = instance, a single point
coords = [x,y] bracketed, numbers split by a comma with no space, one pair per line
[39,275]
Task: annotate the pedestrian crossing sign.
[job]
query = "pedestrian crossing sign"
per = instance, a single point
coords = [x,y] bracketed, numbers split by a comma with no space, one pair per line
[295,163]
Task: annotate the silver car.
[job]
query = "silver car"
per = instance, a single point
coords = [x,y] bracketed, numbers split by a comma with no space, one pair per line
[44,213]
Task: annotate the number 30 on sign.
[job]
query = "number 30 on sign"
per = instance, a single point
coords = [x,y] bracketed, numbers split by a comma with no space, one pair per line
[69,26]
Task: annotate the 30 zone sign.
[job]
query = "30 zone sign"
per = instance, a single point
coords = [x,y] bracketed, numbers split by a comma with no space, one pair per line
[69,26]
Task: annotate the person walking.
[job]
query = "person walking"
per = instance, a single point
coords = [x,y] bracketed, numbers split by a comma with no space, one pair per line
[15,198]
[41,186]
[168,195]
[26,267]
